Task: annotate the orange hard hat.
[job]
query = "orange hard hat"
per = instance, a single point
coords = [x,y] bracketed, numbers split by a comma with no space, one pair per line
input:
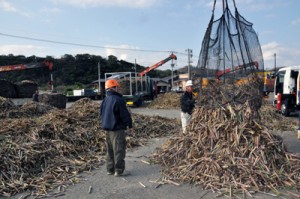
[111,83]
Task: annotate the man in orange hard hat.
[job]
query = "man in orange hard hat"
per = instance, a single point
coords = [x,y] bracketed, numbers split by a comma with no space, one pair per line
[115,119]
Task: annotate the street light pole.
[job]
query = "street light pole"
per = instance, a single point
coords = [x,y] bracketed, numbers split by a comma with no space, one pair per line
[190,55]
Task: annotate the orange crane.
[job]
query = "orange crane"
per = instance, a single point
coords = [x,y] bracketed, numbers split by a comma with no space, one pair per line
[48,64]
[45,63]
[172,56]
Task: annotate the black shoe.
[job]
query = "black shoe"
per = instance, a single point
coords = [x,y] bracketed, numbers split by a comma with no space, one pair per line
[110,173]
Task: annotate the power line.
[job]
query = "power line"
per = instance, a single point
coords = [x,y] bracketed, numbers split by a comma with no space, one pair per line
[87,45]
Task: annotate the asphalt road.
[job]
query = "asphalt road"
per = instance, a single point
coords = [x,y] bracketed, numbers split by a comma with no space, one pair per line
[168,113]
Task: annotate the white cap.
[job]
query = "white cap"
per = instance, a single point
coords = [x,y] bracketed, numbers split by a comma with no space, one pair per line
[189,83]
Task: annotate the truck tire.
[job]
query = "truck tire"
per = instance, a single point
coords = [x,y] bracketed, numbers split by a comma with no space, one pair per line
[139,102]
[266,93]
[285,108]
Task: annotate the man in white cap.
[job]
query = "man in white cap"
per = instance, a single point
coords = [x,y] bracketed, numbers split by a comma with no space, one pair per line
[187,105]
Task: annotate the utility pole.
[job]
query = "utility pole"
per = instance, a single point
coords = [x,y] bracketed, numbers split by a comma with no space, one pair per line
[136,85]
[51,83]
[99,78]
[275,61]
[190,55]
[172,66]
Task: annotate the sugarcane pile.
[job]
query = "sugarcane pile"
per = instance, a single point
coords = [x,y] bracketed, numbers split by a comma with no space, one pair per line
[47,153]
[54,99]
[146,127]
[127,85]
[30,109]
[5,104]
[229,150]
[218,95]
[166,101]
[274,120]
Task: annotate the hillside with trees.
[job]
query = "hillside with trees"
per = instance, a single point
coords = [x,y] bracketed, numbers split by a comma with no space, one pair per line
[70,70]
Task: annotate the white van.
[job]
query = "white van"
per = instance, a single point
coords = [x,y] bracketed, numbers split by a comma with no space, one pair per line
[286,89]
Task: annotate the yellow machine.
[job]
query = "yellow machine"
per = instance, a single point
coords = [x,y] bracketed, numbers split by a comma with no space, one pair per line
[195,95]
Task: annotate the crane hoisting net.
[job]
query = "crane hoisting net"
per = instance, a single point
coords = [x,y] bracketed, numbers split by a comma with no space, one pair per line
[232,54]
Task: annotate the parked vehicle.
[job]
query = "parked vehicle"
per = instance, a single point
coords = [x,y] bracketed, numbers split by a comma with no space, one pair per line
[177,89]
[82,93]
[287,90]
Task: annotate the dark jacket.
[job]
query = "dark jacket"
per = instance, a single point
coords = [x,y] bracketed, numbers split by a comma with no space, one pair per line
[187,103]
[114,113]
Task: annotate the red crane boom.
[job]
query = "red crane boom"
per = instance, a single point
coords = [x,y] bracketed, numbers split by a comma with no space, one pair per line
[172,56]
[48,64]
[229,70]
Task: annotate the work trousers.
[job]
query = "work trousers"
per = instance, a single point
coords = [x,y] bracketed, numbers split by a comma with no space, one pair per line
[185,120]
[116,151]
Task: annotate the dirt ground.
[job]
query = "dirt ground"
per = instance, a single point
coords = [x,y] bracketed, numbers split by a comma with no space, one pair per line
[140,183]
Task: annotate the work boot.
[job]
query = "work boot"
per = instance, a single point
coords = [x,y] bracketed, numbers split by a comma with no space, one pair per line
[110,172]
[124,173]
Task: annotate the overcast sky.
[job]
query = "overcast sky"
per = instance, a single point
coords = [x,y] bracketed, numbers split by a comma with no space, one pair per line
[150,28]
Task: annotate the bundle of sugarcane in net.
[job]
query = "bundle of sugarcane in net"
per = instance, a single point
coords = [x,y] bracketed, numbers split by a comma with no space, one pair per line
[231,51]
[7,89]
[26,88]
[54,99]
[230,153]
[166,101]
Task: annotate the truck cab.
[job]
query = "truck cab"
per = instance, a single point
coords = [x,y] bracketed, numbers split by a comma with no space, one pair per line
[286,89]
